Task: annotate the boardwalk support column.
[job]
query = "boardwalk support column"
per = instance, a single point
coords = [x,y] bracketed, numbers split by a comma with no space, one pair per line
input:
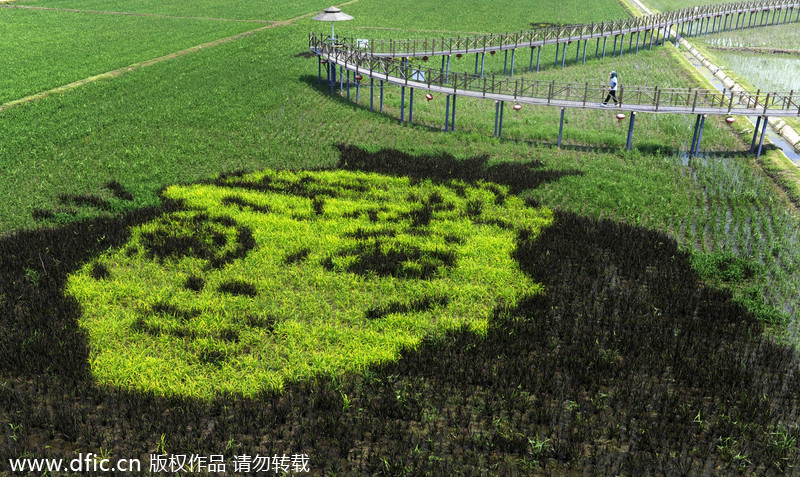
[381,95]
[694,136]
[561,127]
[558,45]
[530,66]
[332,69]
[604,46]
[447,113]
[453,117]
[483,62]
[755,135]
[496,116]
[630,130]
[637,40]
[411,105]
[476,64]
[319,70]
[699,135]
[513,52]
[358,90]
[505,64]
[764,125]
[538,58]
[502,108]
[585,42]
[348,85]
[402,103]
[372,94]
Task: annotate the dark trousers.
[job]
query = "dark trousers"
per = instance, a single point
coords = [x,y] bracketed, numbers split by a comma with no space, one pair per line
[611,95]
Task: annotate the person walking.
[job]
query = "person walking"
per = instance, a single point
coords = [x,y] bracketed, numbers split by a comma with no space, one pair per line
[613,85]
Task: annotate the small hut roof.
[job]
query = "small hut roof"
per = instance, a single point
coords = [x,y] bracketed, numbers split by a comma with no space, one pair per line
[332,14]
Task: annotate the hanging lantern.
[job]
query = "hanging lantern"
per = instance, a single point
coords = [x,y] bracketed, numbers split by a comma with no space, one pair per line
[517,107]
[459,55]
[569,42]
[323,61]
[620,116]
[730,119]
[424,58]
[429,96]
[359,77]
[492,52]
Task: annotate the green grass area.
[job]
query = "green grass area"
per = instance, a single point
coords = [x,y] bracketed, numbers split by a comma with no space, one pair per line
[278,276]
[419,18]
[46,49]
[670,5]
[270,10]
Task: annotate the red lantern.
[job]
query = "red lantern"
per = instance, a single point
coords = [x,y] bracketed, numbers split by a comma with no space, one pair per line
[730,119]
[620,116]
[492,52]
[429,96]
[569,42]
[324,61]
[424,58]
[359,77]
[517,107]
[459,55]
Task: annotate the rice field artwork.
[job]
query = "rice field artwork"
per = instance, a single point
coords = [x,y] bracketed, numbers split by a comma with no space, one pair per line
[281,275]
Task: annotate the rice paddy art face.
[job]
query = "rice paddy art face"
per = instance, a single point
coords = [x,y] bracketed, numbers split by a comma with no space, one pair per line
[279,275]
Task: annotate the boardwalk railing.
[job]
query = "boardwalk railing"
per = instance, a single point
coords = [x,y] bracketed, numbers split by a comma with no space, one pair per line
[638,98]
[723,16]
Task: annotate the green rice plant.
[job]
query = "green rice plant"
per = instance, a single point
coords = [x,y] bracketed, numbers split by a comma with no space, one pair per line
[271,10]
[45,49]
[786,37]
[277,276]
[766,72]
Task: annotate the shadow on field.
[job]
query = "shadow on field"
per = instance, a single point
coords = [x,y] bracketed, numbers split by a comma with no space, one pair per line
[518,176]
[626,365]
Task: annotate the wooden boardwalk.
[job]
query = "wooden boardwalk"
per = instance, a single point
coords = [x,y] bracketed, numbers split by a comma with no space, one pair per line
[686,22]
[388,62]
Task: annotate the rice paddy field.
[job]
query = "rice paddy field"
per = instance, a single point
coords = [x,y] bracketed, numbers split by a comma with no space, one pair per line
[210,255]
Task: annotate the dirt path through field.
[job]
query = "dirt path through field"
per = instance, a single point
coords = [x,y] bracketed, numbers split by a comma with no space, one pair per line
[144,64]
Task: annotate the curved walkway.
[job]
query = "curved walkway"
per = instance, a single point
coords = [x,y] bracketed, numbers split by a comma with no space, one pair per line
[369,61]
